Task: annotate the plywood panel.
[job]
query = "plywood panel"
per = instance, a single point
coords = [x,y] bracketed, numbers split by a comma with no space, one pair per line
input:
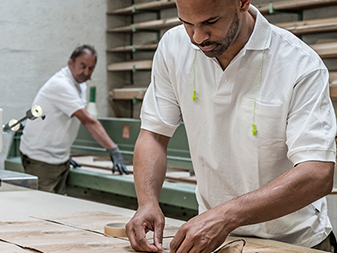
[82,232]
[295,5]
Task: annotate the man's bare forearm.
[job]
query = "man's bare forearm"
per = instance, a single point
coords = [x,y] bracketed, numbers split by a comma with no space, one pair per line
[98,132]
[149,166]
[295,189]
[95,128]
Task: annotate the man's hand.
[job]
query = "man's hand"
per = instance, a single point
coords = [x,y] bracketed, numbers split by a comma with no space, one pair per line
[203,233]
[74,163]
[117,160]
[149,217]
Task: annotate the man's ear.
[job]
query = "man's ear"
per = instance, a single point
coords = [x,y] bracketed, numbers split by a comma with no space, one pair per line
[70,62]
[244,5]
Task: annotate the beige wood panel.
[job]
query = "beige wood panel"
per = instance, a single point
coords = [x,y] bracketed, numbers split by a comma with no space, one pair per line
[9,247]
[295,5]
[310,26]
[333,85]
[130,65]
[148,25]
[326,50]
[67,228]
[136,8]
[127,93]
[82,233]
[102,165]
[133,48]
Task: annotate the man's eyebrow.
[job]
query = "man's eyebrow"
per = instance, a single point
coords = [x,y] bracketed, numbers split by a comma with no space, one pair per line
[207,20]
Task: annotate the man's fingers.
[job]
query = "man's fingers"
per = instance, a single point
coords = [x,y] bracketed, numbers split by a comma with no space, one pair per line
[177,241]
[133,242]
[139,242]
[158,237]
[125,169]
[122,169]
[119,167]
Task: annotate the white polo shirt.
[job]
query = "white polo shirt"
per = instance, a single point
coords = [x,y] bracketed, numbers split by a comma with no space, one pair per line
[49,140]
[293,115]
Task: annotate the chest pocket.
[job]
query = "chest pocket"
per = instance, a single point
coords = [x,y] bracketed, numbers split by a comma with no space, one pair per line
[269,118]
[271,123]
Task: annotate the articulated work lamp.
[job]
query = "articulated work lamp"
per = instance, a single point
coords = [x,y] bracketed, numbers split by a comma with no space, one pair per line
[14,125]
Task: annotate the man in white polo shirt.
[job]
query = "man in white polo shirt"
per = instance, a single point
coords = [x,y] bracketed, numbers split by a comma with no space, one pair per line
[45,146]
[260,124]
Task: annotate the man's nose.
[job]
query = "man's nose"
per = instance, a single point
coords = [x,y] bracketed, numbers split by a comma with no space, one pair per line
[86,71]
[200,35]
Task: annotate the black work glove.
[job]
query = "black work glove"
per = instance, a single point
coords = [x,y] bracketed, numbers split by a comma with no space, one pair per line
[74,163]
[117,160]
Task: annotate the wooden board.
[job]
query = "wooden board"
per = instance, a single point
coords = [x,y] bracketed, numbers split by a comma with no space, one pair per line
[127,93]
[130,65]
[139,8]
[310,26]
[9,247]
[83,232]
[134,48]
[101,165]
[295,5]
[148,25]
[298,27]
[326,50]
[333,85]
[333,77]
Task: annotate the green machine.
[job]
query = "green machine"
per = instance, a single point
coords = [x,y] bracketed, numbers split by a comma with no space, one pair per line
[177,199]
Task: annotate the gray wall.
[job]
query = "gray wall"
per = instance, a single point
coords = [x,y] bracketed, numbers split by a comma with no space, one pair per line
[37,38]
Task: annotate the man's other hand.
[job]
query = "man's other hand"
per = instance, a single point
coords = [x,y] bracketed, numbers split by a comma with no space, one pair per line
[74,163]
[117,160]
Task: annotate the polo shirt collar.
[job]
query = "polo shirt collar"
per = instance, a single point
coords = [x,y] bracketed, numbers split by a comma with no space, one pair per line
[257,40]
[70,76]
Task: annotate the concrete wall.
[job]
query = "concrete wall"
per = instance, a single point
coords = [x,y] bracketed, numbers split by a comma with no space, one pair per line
[37,38]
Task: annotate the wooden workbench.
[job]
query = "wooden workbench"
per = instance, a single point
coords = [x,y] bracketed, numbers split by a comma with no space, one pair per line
[37,221]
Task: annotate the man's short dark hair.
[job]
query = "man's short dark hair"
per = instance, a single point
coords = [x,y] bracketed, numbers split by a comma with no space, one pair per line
[82,50]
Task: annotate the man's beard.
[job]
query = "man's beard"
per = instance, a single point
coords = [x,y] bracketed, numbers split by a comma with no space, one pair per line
[222,46]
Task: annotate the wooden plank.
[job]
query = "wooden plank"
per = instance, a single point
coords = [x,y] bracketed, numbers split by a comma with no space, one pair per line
[326,50]
[139,8]
[131,65]
[298,27]
[333,85]
[310,26]
[295,5]
[134,48]
[127,93]
[153,25]
[82,232]
[333,77]
[101,165]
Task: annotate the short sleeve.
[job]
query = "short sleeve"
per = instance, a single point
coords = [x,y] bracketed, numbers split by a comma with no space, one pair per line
[160,110]
[311,126]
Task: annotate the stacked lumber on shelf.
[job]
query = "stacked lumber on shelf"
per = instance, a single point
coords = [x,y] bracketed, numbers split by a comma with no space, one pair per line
[127,93]
[294,5]
[139,8]
[154,25]
[325,50]
[311,26]
[130,65]
[333,85]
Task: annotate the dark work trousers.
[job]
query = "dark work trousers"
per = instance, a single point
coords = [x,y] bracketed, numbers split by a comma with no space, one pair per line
[51,177]
[329,244]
